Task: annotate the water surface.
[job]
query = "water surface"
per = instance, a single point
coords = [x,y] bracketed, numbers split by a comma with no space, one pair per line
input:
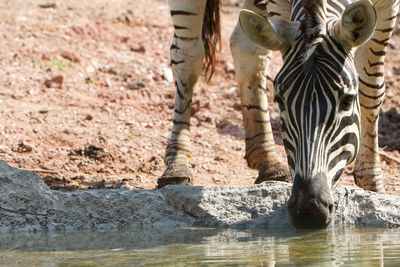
[337,246]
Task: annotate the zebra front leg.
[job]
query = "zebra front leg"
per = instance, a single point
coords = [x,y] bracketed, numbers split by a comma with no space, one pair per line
[187,55]
[251,63]
[368,172]
[369,61]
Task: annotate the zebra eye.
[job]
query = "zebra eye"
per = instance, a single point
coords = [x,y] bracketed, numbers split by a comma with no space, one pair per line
[279,100]
[347,101]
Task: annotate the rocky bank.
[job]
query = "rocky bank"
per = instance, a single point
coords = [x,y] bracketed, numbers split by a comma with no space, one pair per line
[27,204]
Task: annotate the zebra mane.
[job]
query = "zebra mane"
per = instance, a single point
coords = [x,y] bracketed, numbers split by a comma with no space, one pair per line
[313,25]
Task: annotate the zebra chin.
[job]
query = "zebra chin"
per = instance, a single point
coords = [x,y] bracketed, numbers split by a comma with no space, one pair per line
[311,204]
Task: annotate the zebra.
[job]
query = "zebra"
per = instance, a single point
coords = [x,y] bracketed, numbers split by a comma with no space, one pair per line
[329,91]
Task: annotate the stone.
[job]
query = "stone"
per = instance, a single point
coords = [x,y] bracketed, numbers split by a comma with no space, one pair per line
[168,75]
[27,204]
[235,206]
[55,82]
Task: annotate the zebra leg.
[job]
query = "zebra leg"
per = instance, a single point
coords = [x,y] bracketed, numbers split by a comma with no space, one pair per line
[369,61]
[187,55]
[251,63]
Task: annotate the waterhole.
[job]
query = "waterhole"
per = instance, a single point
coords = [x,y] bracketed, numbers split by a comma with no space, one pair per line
[337,246]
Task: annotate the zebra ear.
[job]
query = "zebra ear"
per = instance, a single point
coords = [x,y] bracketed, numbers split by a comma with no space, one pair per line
[270,33]
[357,24]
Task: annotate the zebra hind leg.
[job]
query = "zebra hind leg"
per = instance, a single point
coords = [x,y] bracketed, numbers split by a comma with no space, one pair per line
[250,64]
[187,55]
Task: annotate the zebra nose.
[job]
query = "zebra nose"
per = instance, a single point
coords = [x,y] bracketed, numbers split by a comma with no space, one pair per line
[313,214]
[310,209]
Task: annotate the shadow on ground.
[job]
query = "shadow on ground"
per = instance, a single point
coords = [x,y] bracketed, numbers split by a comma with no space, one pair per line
[389,130]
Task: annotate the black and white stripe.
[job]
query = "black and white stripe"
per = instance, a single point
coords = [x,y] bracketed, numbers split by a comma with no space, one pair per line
[316,90]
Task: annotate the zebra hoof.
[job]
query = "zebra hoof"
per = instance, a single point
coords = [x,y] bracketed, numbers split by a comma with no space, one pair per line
[175,175]
[273,175]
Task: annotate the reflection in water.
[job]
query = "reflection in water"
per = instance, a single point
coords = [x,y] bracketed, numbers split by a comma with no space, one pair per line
[200,246]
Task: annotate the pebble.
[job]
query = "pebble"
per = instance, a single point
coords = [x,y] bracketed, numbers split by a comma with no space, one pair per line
[48,5]
[88,117]
[90,69]
[229,68]
[168,75]
[70,56]
[55,82]
[141,49]
[140,177]
[126,187]
[136,86]
[23,148]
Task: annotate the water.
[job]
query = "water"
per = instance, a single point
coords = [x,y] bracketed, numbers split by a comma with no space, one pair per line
[204,247]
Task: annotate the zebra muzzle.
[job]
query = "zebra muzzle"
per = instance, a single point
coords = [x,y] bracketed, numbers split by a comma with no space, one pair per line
[311,204]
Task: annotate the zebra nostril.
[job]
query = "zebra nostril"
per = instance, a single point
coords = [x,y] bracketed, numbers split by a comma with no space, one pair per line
[330,207]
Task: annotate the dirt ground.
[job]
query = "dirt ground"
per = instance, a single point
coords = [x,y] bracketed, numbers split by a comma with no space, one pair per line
[86,98]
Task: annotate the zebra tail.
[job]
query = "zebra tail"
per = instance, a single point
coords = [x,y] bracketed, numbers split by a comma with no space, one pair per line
[211,34]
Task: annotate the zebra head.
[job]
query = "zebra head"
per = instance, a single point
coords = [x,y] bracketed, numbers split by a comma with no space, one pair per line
[317,93]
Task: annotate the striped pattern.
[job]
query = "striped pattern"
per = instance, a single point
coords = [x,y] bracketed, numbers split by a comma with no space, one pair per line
[369,60]
[319,110]
[329,97]
[187,55]
[325,122]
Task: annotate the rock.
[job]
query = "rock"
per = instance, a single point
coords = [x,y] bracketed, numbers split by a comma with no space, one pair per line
[126,17]
[168,75]
[229,68]
[125,186]
[88,117]
[360,207]
[70,56]
[48,5]
[55,82]
[140,49]
[23,148]
[93,152]
[27,204]
[136,86]
[236,206]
